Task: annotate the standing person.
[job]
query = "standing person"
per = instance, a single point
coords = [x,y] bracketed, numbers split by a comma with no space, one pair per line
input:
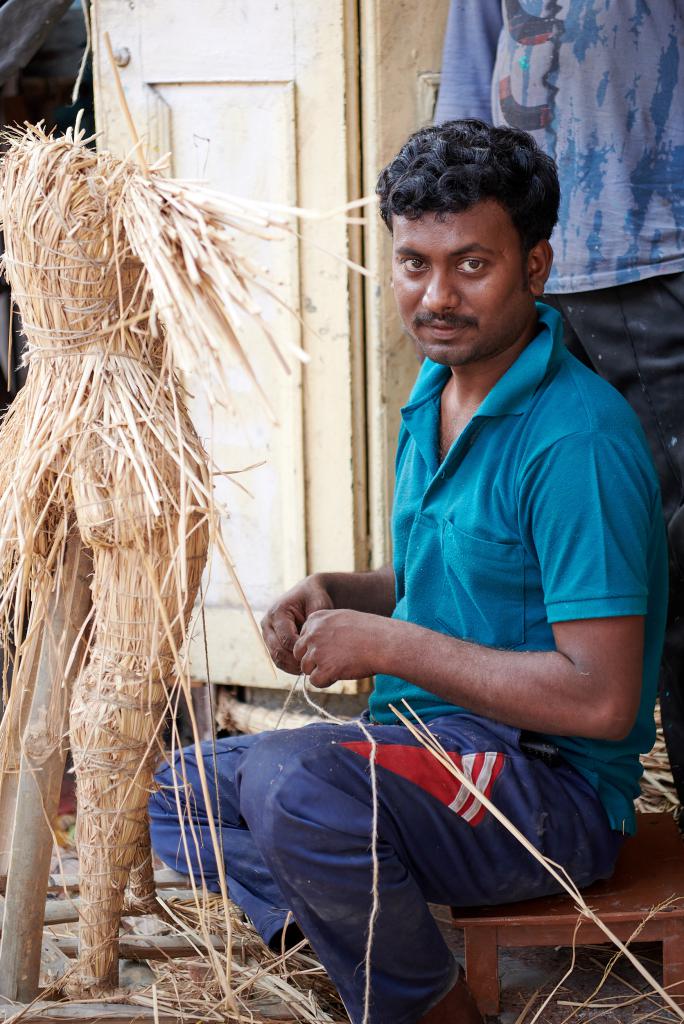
[522,618]
[600,85]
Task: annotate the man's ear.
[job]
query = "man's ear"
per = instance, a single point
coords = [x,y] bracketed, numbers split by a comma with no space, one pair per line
[539,260]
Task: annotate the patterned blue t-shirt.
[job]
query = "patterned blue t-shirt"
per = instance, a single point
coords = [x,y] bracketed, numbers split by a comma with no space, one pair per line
[599,84]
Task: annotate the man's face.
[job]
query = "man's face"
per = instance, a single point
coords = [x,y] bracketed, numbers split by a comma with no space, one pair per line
[464,288]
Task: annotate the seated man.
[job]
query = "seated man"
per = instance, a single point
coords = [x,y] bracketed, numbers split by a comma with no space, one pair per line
[522,619]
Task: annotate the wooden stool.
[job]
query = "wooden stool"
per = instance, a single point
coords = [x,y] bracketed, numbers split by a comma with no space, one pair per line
[650,870]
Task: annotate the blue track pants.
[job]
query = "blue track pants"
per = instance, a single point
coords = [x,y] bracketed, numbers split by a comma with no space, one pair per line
[294,809]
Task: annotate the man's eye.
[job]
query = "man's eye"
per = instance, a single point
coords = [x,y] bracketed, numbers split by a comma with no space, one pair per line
[413,263]
[471,265]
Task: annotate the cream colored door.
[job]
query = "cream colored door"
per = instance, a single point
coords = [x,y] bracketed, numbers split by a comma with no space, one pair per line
[258,97]
[402,53]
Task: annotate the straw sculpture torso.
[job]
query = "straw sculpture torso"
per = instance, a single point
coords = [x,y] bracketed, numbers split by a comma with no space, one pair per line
[123,279]
[99,441]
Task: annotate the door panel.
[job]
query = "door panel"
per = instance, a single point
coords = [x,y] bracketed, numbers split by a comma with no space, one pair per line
[297,101]
[402,46]
[217,40]
[221,85]
[267,546]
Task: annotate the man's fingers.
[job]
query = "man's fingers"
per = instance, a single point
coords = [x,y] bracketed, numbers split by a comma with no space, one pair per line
[320,679]
[285,661]
[308,662]
[282,658]
[285,627]
[299,649]
[270,639]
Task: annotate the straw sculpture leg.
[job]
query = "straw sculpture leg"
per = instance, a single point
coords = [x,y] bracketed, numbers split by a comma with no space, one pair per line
[141,894]
[116,713]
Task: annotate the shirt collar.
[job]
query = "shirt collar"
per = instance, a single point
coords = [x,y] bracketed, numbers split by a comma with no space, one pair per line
[513,392]
[510,396]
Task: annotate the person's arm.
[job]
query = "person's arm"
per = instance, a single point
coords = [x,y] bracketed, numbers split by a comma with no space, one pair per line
[372,591]
[368,592]
[589,686]
[587,508]
[468,59]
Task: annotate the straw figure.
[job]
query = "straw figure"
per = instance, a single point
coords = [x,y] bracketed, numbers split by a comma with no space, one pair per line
[122,279]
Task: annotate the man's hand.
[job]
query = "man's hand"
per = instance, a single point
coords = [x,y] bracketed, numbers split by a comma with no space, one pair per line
[341,645]
[283,621]
[371,592]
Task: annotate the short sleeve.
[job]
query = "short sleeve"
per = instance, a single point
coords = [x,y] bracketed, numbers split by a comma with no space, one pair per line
[468,58]
[586,507]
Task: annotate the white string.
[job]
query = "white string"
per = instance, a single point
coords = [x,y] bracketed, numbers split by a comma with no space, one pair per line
[375,878]
[288,701]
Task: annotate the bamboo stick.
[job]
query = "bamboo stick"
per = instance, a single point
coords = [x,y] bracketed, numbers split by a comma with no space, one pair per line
[13,725]
[42,768]
[237,716]
[121,95]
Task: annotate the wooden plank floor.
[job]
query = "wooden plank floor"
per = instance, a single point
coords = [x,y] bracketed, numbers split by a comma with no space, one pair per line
[108,1013]
[149,947]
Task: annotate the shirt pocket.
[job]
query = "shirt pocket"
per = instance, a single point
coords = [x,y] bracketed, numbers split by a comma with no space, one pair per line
[483,592]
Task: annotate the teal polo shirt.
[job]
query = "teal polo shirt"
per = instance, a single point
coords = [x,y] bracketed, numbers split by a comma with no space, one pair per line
[546,509]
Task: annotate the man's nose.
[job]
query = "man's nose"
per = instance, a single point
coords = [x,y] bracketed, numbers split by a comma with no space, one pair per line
[440,294]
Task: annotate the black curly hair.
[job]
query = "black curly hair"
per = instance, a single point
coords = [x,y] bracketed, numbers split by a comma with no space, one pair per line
[452,166]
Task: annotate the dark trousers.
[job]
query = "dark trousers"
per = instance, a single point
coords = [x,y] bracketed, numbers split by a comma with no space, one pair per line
[294,811]
[633,336]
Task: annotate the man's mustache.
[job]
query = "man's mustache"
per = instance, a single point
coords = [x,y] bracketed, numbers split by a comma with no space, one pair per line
[445,320]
